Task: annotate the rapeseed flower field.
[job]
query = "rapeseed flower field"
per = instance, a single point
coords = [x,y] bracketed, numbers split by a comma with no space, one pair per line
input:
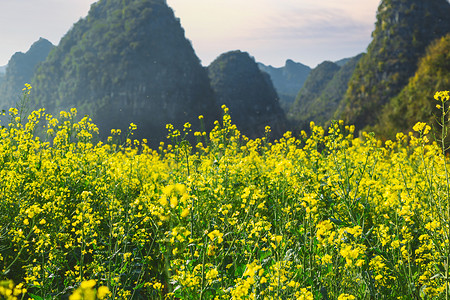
[322,216]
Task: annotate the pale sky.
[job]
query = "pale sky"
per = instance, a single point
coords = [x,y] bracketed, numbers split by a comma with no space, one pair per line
[306,31]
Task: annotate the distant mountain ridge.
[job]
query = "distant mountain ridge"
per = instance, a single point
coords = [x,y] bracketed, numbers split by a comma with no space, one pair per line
[287,80]
[3,69]
[20,70]
[244,89]
[342,61]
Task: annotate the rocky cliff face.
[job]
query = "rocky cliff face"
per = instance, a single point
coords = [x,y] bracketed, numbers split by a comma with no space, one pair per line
[128,61]
[404,29]
[251,98]
[20,70]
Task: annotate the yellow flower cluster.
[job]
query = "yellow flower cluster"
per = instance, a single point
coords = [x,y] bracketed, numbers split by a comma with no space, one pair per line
[322,216]
[86,291]
[10,292]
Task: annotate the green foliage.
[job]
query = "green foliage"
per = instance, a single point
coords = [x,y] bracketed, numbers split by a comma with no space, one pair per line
[403,31]
[413,103]
[248,93]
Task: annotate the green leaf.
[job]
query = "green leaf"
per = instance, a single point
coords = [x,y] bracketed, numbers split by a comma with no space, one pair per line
[35,297]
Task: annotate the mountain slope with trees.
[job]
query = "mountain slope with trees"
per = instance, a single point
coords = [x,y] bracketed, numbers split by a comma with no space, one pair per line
[248,93]
[322,93]
[311,90]
[127,61]
[404,29]
[415,102]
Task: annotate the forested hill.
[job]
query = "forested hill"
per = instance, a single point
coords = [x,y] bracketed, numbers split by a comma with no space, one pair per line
[404,29]
[127,61]
[20,70]
[311,90]
[342,61]
[415,102]
[322,93]
[250,96]
[287,80]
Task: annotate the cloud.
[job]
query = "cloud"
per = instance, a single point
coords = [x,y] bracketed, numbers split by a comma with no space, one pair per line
[312,25]
[284,27]
[306,34]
